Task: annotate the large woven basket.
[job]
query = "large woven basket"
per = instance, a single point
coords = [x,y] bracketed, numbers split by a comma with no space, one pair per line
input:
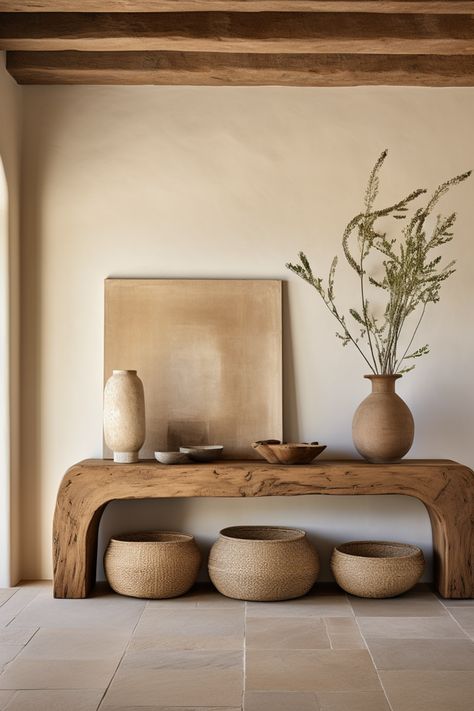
[263,563]
[377,568]
[152,564]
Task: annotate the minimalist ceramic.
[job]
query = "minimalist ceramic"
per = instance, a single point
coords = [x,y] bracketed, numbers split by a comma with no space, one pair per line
[172,458]
[383,427]
[204,453]
[152,564]
[377,568]
[276,452]
[124,415]
[263,563]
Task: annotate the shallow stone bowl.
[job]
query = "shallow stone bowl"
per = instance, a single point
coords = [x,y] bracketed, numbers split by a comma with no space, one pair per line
[172,457]
[203,453]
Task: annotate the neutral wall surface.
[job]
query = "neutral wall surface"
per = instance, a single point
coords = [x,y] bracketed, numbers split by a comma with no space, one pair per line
[231,182]
[10,130]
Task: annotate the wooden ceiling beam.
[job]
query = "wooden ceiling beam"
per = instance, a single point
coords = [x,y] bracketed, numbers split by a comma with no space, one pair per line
[128,68]
[282,33]
[379,6]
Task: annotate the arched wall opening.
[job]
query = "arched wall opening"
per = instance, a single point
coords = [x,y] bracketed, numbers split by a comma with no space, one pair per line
[4,386]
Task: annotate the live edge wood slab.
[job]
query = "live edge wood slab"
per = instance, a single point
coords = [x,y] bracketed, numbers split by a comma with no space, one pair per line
[445,487]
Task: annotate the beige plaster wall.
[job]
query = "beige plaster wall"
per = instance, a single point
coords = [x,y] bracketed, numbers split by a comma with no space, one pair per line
[10,137]
[230,182]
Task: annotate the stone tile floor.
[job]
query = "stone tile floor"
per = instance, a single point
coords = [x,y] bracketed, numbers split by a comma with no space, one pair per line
[324,652]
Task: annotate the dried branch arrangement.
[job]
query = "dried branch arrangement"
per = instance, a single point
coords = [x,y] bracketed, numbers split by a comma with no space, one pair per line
[411,275]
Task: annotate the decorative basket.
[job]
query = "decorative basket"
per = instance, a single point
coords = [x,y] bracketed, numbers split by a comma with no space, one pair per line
[263,563]
[377,568]
[152,564]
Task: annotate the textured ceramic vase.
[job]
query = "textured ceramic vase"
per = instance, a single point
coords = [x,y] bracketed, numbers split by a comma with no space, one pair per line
[124,415]
[263,563]
[383,427]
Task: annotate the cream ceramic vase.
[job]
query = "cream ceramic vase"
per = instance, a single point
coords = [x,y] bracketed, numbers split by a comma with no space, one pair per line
[383,427]
[124,415]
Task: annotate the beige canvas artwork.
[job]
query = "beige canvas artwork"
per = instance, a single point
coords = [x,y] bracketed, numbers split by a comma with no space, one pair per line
[209,353]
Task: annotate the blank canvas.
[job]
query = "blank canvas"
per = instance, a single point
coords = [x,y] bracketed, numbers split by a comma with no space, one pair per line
[209,353]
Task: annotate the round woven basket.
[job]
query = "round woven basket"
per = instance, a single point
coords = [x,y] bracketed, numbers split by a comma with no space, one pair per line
[263,563]
[154,564]
[377,568]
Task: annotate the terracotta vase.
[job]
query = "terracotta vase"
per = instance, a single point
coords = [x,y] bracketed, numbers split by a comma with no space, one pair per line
[383,427]
[124,415]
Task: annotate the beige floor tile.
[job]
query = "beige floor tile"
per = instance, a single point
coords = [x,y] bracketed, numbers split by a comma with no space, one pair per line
[5,697]
[106,707]
[17,602]
[6,593]
[57,700]
[104,610]
[415,603]
[286,633]
[351,640]
[310,670]
[8,652]
[77,643]
[341,625]
[57,674]
[16,635]
[344,633]
[444,654]
[456,603]
[465,617]
[201,595]
[429,690]
[320,602]
[280,701]
[191,628]
[357,701]
[199,678]
[411,627]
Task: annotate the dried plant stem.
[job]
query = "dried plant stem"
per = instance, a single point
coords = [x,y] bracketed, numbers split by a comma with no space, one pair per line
[412,276]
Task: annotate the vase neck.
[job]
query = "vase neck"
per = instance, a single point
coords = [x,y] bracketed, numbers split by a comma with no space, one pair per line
[383,383]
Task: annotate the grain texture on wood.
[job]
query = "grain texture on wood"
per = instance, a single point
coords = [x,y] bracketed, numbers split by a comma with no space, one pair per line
[445,488]
[243,32]
[209,69]
[379,6]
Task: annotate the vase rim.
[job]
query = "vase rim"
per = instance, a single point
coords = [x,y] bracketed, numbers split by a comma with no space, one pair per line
[374,376]
[123,372]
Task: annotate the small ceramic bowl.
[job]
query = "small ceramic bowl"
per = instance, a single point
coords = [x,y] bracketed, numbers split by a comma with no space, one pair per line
[205,453]
[172,458]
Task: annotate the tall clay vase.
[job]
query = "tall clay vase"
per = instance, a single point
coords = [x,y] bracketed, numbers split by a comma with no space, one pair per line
[124,415]
[383,427]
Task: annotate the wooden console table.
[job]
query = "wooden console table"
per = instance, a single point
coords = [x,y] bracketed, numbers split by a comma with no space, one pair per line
[445,487]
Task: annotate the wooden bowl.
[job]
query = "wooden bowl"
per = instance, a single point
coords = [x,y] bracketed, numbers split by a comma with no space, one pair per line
[377,568]
[288,453]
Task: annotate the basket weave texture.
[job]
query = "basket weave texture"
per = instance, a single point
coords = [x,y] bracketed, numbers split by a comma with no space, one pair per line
[155,564]
[263,563]
[377,569]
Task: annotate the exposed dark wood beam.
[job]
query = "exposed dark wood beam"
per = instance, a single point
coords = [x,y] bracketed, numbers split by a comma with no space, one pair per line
[272,32]
[379,6]
[239,69]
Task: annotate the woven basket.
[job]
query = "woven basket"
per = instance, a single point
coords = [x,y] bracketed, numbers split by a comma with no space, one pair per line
[155,564]
[263,563]
[377,568]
